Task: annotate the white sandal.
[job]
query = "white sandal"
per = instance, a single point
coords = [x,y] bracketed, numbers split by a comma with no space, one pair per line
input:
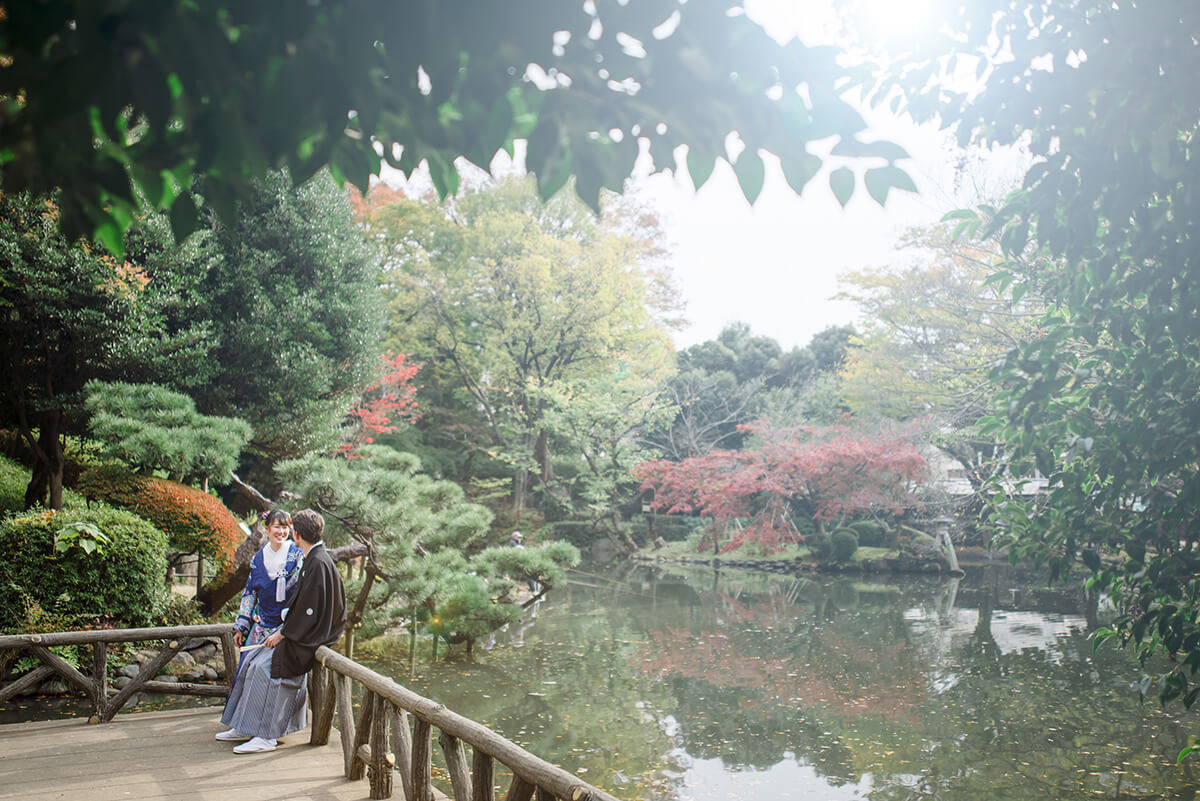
[255,746]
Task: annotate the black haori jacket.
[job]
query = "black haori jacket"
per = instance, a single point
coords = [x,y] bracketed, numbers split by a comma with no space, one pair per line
[316,617]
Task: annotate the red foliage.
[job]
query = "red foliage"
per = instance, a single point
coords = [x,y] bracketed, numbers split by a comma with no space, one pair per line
[836,678]
[390,398]
[378,196]
[829,471]
[193,520]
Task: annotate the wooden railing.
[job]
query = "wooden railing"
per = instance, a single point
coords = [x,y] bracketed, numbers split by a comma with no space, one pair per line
[392,733]
[395,728]
[96,686]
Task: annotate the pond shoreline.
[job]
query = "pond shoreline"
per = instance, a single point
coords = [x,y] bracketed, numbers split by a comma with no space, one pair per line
[900,564]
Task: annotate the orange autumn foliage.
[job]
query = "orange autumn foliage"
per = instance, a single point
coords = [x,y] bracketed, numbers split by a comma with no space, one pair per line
[193,520]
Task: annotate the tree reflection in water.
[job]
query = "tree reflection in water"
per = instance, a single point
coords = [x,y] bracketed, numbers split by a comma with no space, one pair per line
[682,684]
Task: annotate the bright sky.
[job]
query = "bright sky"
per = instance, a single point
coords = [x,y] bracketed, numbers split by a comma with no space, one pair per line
[775,265]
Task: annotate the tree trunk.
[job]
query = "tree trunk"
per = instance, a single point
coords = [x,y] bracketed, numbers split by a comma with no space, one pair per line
[232,578]
[360,604]
[520,480]
[541,455]
[622,532]
[45,485]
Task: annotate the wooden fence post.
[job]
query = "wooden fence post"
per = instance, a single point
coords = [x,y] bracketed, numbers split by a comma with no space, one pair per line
[456,766]
[358,765]
[379,771]
[230,654]
[521,789]
[323,715]
[100,680]
[422,767]
[402,747]
[483,776]
[345,711]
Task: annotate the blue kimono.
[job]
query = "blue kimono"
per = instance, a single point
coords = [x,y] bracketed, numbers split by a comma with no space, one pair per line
[258,705]
[266,597]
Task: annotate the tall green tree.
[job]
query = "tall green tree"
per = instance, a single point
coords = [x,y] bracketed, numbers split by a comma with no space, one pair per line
[67,309]
[509,296]
[290,293]
[111,98]
[738,377]
[934,329]
[605,423]
[1105,401]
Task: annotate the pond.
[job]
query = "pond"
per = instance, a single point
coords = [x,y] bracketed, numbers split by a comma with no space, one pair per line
[665,683]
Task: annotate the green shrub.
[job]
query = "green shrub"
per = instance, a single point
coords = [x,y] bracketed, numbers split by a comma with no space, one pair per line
[922,540]
[843,544]
[180,610]
[871,533]
[193,520]
[820,545]
[119,584]
[14,478]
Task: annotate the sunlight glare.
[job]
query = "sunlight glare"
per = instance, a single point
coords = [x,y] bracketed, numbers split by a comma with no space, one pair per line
[894,20]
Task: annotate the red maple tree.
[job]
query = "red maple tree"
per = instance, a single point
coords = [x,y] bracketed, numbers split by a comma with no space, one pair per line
[823,473]
[390,399]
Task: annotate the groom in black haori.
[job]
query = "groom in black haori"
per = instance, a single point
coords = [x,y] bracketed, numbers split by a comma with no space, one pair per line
[267,700]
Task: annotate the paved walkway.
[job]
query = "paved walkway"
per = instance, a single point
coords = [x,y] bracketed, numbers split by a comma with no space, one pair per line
[165,755]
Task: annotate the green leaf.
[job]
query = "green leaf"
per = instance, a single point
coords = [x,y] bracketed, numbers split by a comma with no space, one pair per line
[699,166]
[880,180]
[151,183]
[850,146]
[183,217]
[1091,559]
[111,236]
[750,174]
[798,171]
[841,181]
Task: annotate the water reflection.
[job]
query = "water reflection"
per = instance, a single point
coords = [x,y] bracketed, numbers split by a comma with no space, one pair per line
[685,684]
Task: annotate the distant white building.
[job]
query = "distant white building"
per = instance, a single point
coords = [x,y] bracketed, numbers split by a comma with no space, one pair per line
[946,474]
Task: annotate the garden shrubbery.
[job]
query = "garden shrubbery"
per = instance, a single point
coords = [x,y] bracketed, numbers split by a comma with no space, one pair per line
[871,533]
[117,580]
[13,480]
[819,544]
[843,543]
[193,520]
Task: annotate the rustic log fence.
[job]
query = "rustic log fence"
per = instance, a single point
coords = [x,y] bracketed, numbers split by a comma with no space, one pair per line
[106,700]
[394,729]
[391,734]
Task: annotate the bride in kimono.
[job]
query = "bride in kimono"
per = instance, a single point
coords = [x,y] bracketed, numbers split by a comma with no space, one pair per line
[270,588]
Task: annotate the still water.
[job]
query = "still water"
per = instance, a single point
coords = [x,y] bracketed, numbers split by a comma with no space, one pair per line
[668,683]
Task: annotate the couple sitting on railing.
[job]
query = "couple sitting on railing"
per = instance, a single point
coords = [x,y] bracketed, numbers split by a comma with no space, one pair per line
[294,603]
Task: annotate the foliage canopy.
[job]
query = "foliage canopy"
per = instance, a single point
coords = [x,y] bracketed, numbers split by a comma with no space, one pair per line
[109,99]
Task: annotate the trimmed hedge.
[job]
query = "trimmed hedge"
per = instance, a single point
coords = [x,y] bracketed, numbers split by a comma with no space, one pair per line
[871,533]
[844,543]
[819,545]
[193,520]
[122,585]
